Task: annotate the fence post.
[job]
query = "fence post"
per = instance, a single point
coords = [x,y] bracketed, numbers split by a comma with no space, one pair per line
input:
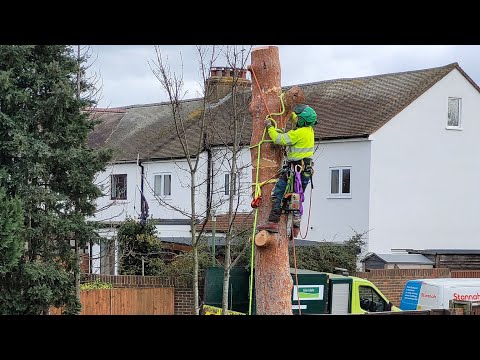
[111,300]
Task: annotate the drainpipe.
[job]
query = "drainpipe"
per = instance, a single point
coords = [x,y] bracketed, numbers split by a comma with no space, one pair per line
[90,258]
[143,201]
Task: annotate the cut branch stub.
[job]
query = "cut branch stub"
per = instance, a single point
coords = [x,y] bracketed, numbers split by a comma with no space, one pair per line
[293,97]
[265,238]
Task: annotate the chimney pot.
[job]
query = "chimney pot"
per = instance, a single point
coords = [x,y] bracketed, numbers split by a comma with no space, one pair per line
[218,87]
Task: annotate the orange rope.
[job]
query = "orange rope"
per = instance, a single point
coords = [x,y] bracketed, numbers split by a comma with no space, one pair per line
[260,90]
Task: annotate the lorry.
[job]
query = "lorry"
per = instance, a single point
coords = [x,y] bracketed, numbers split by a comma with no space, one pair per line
[428,294]
[319,293]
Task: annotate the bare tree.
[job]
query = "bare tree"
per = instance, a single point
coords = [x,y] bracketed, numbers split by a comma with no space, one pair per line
[230,125]
[190,133]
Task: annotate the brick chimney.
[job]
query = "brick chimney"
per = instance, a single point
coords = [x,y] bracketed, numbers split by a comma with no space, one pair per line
[220,82]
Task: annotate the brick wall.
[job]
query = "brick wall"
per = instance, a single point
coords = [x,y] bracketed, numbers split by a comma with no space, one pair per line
[465,274]
[183,301]
[183,289]
[392,281]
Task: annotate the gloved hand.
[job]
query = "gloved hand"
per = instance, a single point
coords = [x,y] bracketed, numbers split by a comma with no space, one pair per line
[268,123]
[293,118]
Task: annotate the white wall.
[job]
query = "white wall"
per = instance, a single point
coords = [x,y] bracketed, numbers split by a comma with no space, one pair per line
[160,207]
[118,210]
[221,166]
[424,177]
[173,230]
[176,206]
[332,219]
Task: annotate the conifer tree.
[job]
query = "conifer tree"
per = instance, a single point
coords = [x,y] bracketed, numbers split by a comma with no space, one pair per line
[50,169]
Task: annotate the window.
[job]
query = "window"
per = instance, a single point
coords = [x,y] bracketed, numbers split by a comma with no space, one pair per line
[370,300]
[454,112]
[226,184]
[118,187]
[340,182]
[166,180]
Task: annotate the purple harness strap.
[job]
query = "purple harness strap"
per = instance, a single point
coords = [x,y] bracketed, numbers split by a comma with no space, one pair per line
[299,190]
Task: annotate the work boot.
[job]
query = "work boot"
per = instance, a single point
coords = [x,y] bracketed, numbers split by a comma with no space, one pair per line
[269,226]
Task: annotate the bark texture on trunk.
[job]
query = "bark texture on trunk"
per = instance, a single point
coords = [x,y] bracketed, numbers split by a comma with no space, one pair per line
[273,283]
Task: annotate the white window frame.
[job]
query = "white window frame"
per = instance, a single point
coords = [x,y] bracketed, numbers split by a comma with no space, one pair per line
[339,195]
[162,185]
[459,126]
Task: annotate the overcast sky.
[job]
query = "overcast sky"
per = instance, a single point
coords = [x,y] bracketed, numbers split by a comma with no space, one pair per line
[128,79]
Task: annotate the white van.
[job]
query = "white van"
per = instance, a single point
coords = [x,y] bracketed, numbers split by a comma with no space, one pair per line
[426,294]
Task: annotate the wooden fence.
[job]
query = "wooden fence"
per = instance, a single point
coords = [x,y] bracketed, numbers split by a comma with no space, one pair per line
[126,301]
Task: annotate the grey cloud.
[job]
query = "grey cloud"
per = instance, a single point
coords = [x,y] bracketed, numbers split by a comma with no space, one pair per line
[127,77]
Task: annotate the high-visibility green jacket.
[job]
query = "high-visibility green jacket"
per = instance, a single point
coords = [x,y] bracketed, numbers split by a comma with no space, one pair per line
[300,142]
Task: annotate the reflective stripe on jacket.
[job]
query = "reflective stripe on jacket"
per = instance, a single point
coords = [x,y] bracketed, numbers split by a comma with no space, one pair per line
[300,142]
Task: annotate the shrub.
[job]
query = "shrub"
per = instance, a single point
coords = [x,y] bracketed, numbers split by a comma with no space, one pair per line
[96,284]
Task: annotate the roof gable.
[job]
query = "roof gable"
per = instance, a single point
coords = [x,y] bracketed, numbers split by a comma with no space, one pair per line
[360,106]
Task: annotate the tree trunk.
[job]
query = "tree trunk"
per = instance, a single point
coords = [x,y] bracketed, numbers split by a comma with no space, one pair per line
[232,195]
[273,283]
[77,270]
[195,281]
[196,305]
[226,281]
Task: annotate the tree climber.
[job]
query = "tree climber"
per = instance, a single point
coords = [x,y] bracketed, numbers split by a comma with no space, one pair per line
[300,143]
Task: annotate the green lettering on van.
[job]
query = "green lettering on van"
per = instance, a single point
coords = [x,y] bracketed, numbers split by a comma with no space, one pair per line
[309,292]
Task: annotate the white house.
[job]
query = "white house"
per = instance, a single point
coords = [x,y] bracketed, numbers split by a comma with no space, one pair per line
[396,159]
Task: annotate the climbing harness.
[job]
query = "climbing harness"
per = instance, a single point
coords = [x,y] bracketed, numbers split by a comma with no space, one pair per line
[294,196]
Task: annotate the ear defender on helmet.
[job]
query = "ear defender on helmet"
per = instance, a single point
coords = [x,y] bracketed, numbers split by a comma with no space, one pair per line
[306,115]
[300,122]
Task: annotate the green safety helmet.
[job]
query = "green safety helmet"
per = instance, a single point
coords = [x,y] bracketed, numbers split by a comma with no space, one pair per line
[305,114]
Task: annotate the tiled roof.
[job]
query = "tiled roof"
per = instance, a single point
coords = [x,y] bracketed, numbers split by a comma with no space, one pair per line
[402,259]
[146,130]
[360,106]
[242,221]
[346,108]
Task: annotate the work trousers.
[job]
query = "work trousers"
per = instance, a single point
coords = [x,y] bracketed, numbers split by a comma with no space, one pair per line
[279,191]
